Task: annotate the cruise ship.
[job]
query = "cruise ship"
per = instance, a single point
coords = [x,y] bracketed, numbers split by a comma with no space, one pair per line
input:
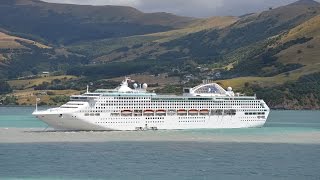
[131,107]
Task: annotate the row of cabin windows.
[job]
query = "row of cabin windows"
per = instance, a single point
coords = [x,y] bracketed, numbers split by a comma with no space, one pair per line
[170,99]
[253,117]
[179,103]
[90,111]
[176,107]
[122,118]
[116,122]
[155,118]
[184,102]
[184,105]
[193,121]
[156,105]
[251,120]
[132,98]
[92,114]
[195,117]
[154,121]
[167,104]
[254,113]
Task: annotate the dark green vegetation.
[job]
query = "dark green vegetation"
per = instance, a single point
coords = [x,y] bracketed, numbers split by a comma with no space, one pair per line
[110,70]
[60,99]
[255,65]
[75,84]
[34,60]
[5,87]
[247,40]
[303,94]
[61,24]
[96,43]
[251,44]
[8,100]
[65,24]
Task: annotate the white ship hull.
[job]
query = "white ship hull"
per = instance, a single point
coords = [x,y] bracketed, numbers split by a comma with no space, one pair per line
[75,121]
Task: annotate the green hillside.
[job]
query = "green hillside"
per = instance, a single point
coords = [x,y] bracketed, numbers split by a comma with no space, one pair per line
[135,46]
[217,45]
[250,43]
[65,24]
[20,57]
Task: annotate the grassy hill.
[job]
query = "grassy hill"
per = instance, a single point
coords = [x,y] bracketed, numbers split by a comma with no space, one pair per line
[251,43]
[20,57]
[66,23]
[129,48]
[198,25]
[25,92]
[12,42]
[217,45]
[294,89]
[306,54]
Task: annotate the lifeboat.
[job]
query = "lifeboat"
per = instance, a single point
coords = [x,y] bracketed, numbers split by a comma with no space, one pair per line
[182,112]
[160,112]
[126,112]
[148,112]
[193,112]
[204,111]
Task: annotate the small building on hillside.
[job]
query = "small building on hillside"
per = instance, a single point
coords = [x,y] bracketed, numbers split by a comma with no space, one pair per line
[45,74]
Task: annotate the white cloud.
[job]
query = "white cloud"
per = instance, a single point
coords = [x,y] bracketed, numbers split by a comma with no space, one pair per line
[196,8]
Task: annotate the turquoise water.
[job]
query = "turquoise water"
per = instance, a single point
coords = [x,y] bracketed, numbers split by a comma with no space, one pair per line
[168,159]
[20,117]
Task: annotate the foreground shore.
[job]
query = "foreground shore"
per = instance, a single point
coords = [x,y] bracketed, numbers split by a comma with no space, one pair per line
[38,135]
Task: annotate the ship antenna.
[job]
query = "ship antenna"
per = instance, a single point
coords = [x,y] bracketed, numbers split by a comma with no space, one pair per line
[36,104]
[37,99]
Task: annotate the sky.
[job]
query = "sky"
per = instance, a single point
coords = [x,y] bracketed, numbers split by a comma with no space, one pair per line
[192,8]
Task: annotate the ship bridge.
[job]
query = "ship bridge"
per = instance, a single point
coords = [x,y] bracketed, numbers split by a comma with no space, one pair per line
[122,90]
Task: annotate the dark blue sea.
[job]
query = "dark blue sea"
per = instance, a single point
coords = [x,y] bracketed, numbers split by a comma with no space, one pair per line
[288,147]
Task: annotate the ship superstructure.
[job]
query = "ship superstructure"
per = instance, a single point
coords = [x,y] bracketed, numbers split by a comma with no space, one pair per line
[123,108]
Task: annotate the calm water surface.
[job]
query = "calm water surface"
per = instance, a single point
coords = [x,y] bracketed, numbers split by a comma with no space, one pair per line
[166,160]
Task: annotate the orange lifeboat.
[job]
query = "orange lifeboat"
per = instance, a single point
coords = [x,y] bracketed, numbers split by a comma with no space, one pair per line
[204,111]
[126,112]
[161,112]
[193,112]
[182,112]
[148,112]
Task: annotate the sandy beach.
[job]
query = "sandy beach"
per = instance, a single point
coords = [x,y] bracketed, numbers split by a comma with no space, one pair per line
[38,135]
